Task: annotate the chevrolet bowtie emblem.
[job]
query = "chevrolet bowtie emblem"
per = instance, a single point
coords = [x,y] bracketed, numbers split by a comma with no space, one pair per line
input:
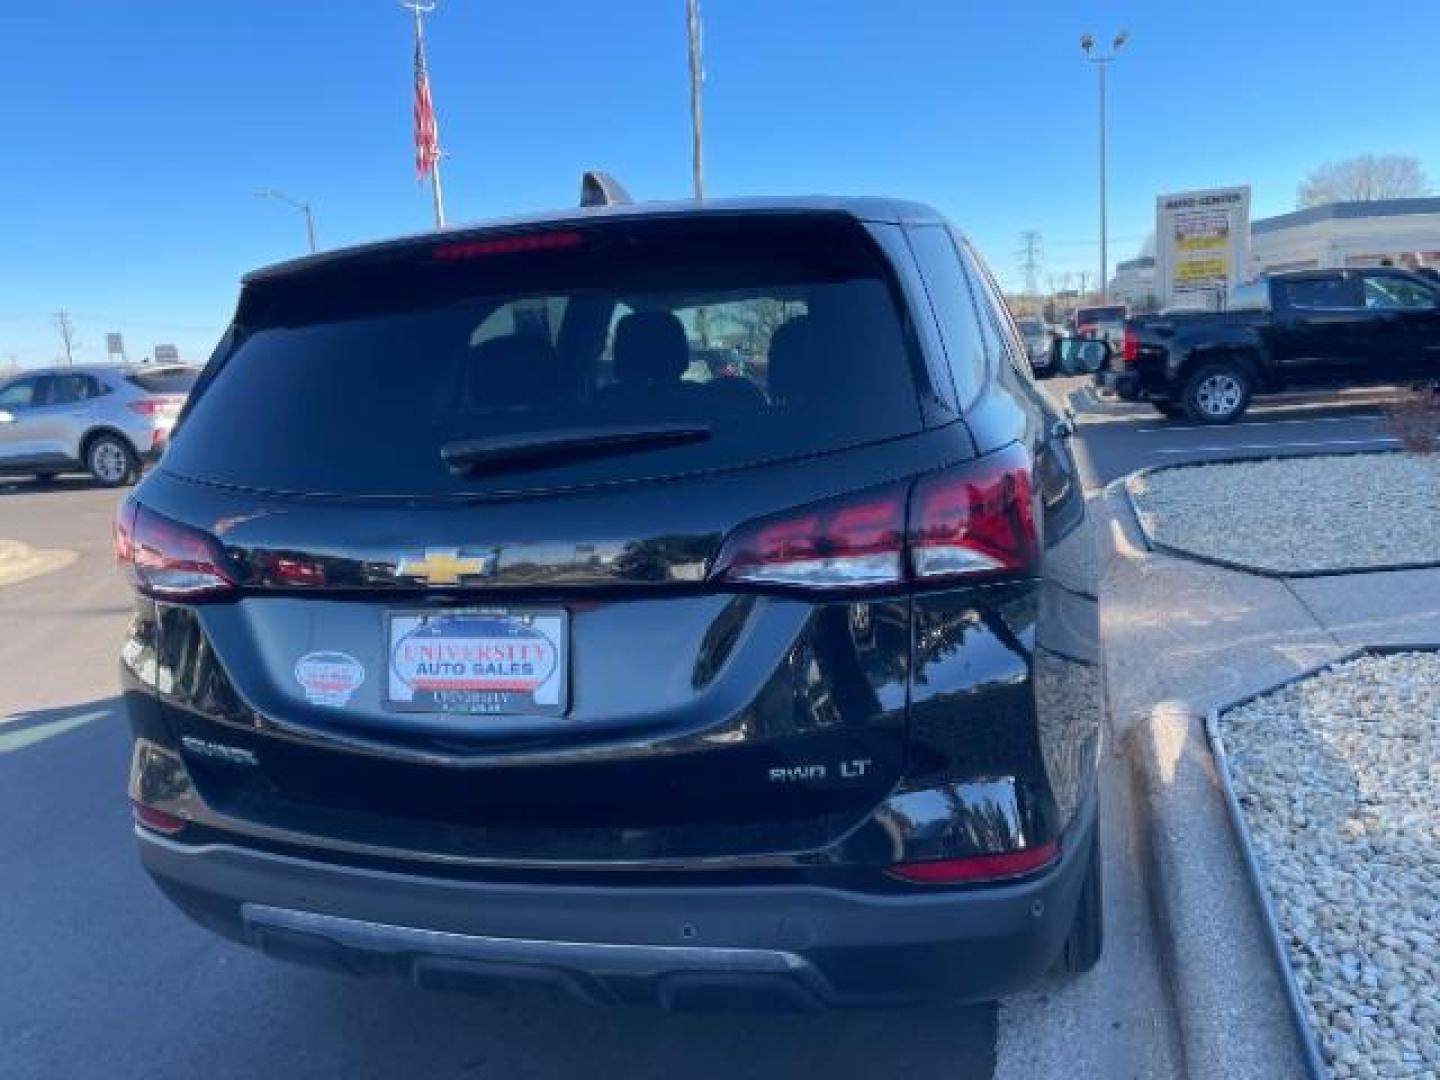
[442,566]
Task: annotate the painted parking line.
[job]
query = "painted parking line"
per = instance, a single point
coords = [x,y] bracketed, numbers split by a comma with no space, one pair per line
[1262,423]
[18,740]
[1375,442]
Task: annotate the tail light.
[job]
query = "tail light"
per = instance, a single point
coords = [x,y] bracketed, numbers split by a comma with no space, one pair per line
[844,542]
[157,820]
[152,406]
[168,560]
[976,868]
[975,519]
[1130,350]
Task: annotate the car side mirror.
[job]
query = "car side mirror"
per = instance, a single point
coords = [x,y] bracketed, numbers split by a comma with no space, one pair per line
[1078,356]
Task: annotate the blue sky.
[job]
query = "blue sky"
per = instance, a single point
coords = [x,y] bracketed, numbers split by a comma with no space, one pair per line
[136,132]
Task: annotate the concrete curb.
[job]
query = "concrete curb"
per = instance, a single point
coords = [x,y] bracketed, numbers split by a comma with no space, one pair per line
[1234,1018]
[1247,568]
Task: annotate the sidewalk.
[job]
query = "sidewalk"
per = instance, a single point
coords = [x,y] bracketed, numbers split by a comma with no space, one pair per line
[1180,638]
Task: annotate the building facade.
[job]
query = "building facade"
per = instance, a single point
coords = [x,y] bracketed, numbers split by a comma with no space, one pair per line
[1135,284]
[1348,234]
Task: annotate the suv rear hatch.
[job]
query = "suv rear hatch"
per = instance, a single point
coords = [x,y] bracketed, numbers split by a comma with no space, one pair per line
[440,539]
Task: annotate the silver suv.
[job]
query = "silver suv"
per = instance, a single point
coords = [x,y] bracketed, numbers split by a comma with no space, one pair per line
[104,419]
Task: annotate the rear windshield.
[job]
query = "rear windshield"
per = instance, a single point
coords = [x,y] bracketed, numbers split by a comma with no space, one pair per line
[1030,326]
[172,380]
[780,335]
[1090,315]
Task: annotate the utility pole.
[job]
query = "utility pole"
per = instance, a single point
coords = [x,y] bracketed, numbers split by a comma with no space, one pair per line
[697,76]
[65,326]
[1031,256]
[1102,64]
[427,127]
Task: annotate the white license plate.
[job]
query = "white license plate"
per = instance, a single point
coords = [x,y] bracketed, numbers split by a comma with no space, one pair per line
[490,661]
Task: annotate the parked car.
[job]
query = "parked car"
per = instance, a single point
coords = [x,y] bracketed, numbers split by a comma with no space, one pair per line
[530,662]
[717,363]
[1037,337]
[105,419]
[1103,321]
[1312,329]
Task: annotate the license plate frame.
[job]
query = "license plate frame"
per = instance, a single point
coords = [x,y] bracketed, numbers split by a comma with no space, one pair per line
[442,670]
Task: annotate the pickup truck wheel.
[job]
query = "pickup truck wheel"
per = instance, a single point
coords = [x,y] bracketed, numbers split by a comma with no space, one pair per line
[1217,393]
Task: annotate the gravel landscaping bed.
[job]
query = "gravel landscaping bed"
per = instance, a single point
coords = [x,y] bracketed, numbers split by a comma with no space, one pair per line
[1339,778]
[1298,514]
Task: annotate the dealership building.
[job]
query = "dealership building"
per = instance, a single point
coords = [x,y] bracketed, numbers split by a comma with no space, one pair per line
[1336,234]
[1348,234]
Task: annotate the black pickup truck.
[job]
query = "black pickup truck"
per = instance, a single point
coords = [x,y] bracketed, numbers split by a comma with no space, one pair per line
[1313,329]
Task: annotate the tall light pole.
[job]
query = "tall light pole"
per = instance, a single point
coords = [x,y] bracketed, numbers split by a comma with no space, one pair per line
[697,76]
[1102,62]
[304,208]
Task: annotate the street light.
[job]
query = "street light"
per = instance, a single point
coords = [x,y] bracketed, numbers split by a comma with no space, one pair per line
[1102,62]
[304,208]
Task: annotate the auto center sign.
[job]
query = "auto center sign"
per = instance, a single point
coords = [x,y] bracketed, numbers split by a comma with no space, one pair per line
[1202,245]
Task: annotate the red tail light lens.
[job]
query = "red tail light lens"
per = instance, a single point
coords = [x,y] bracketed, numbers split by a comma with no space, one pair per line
[852,542]
[1130,350]
[168,560]
[156,820]
[977,868]
[148,406]
[121,531]
[976,519]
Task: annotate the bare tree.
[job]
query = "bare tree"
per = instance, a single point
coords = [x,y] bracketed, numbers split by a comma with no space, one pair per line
[65,327]
[1363,179]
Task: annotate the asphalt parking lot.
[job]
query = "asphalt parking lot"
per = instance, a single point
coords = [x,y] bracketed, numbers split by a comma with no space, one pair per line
[1119,437]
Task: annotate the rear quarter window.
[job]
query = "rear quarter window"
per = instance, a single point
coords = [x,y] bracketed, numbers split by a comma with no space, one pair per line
[164,380]
[781,334]
[960,332]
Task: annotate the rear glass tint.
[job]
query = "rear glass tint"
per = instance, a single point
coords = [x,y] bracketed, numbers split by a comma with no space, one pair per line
[164,380]
[780,334]
[1109,313]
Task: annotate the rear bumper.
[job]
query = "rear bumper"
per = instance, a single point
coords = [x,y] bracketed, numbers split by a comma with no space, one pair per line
[773,946]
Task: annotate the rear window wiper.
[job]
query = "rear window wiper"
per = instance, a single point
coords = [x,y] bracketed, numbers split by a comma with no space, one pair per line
[499,452]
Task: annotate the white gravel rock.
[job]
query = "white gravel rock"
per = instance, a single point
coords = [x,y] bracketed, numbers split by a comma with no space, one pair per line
[1339,777]
[1289,514]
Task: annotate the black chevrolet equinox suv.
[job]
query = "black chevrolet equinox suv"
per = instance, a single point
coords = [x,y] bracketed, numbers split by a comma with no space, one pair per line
[487,635]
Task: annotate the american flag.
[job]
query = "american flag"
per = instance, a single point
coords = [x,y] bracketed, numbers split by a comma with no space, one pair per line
[427,136]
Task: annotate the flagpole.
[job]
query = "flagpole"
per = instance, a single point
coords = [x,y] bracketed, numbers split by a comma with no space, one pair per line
[436,193]
[697,76]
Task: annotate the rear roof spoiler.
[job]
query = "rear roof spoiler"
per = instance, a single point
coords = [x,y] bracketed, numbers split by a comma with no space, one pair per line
[599,188]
